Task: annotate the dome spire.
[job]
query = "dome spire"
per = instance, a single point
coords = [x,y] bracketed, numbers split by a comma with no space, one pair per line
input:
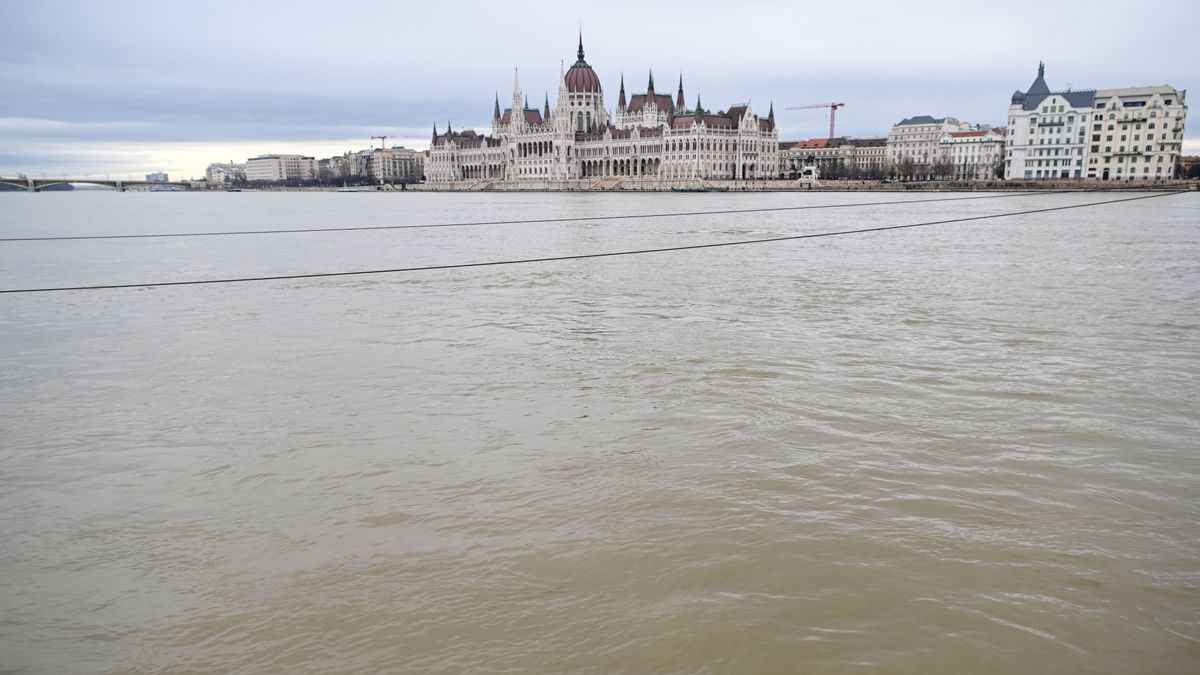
[580,52]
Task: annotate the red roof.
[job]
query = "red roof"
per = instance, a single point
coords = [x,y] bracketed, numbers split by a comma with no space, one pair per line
[969,134]
[532,117]
[464,139]
[663,101]
[581,78]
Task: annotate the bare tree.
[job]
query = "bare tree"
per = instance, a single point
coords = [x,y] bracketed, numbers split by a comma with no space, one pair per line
[942,169]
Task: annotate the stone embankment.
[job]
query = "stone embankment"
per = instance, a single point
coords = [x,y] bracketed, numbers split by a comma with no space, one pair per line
[644,185]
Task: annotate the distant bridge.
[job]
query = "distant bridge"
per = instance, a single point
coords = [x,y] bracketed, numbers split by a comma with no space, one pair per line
[39,184]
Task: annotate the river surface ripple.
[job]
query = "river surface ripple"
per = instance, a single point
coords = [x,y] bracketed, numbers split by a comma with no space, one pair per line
[966,448]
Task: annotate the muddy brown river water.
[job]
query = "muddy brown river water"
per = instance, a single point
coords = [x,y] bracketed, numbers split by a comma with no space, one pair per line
[965,448]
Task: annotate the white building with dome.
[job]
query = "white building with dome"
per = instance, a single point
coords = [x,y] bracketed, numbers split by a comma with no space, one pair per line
[648,137]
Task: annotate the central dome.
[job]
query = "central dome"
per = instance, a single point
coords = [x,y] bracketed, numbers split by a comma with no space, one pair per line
[580,77]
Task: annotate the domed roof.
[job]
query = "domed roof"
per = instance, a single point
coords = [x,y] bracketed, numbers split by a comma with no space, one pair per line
[580,77]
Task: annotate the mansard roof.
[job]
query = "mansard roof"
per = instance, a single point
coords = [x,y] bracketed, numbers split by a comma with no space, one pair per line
[867,142]
[921,119]
[1039,91]
[1076,99]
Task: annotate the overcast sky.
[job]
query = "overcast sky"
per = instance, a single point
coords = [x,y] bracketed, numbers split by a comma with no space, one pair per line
[122,88]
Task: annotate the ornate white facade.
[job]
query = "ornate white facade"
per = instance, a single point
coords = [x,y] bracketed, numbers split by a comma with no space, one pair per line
[650,136]
[914,140]
[1047,132]
[974,154]
[1134,133]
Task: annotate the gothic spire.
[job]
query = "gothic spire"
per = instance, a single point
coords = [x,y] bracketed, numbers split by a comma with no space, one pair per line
[679,100]
[546,112]
[580,52]
[621,96]
[496,112]
[650,87]
[699,114]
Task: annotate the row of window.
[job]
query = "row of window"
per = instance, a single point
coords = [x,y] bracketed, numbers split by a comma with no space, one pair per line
[1149,148]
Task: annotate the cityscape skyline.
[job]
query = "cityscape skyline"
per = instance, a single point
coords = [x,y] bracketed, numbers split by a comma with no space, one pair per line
[120,90]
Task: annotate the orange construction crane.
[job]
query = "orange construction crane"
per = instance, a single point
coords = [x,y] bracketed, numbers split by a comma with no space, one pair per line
[833,108]
[382,141]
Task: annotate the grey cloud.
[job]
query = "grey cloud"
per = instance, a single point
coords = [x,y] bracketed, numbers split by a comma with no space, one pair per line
[223,71]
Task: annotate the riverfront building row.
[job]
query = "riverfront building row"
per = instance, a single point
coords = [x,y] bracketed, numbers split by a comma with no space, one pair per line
[376,165]
[1134,133]
[650,136]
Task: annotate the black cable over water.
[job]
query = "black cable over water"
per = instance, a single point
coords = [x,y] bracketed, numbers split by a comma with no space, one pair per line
[581,256]
[572,219]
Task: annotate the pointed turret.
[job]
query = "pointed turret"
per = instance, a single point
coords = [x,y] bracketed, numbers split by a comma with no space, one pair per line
[771,117]
[496,111]
[1039,88]
[546,111]
[679,100]
[448,131]
[434,132]
[621,97]
[650,86]
[699,114]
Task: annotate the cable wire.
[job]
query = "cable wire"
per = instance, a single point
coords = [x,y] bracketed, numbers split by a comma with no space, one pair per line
[571,219]
[580,256]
